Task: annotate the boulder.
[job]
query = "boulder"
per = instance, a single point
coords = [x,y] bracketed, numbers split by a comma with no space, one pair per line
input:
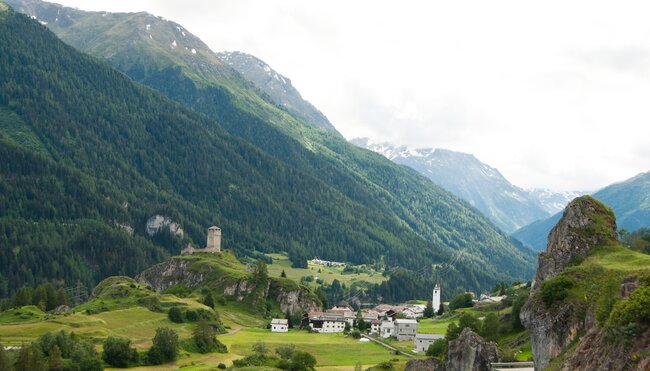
[470,352]
[429,364]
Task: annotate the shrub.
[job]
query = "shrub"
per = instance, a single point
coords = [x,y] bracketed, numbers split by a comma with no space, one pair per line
[633,310]
[461,301]
[165,346]
[556,289]
[205,339]
[490,327]
[302,361]
[221,366]
[285,351]
[118,352]
[438,348]
[175,315]
[260,349]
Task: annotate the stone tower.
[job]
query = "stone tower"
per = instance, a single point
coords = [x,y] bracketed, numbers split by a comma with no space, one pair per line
[435,301]
[214,239]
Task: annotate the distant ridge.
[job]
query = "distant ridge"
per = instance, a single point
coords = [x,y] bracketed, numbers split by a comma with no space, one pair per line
[276,86]
[505,204]
[630,200]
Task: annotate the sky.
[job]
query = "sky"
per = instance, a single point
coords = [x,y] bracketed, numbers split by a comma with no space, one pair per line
[553,94]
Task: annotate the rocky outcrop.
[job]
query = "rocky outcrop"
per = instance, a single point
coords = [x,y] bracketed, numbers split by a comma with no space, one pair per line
[159,223]
[586,223]
[429,364]
[193,273]
[596,352]
[172,272]
[470,352]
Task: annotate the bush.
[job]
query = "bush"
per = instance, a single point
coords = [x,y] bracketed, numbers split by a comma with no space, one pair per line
[384,366]
[490,327]
[285,351]
[461,301]
[118,352]
[221,366]
[466,320]
[556,289]
[165,346]
[302,361]
[175,315]
[205,339]
[438,348]
[633,310]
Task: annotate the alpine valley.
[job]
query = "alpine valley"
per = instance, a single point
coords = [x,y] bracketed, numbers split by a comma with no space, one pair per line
[164,206]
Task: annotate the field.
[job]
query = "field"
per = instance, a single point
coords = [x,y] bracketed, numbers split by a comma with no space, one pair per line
[332,351]
[435,326]
[328,274]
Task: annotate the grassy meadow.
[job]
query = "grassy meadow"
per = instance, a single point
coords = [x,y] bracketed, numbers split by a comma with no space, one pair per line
[328,274]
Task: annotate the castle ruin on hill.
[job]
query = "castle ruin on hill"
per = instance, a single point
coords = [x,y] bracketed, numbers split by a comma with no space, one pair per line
[213,245]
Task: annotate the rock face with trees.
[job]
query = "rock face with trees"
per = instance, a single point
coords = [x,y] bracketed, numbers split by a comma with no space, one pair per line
[579,297]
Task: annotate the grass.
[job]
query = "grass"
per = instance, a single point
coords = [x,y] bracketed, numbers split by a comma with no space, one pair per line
[618,258]
[137,323]
[328,274]
[29,313]
[329,349]
[436,326]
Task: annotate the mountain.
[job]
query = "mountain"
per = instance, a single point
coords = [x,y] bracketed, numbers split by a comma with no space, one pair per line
[552,201]
[276,86]
[629,199]
[508,206]
[272,182]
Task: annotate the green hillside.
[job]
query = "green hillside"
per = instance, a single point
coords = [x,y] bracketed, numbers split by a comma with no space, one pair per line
[307,192]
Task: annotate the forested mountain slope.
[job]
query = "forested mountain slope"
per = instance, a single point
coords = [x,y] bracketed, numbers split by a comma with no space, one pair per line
[144,154]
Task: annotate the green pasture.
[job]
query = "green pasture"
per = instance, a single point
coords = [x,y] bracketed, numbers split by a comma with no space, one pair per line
[328,274]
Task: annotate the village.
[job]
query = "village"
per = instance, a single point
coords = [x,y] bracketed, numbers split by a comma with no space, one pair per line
[384,321]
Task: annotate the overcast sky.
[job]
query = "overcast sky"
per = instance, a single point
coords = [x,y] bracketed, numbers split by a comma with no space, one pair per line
[553,94]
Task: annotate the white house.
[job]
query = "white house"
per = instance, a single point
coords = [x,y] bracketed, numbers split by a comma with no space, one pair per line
[326,322]
[485,298]
[414,311]
[405,329]
[422,341]
[387,329]
[375,327]
[279,325]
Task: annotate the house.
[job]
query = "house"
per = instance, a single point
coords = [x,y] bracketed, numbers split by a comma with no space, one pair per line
[485,298]
[369,315]
[414,311]
[375,327]
[279,325]
[347,315]
[422,341]
[387,329]
[405,329]
[326,322]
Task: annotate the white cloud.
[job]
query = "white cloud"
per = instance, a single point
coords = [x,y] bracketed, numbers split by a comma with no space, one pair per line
[554,94]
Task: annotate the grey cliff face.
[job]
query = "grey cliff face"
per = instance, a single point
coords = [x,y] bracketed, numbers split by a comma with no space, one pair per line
[470,352]
[586,223]
[429,364]
[573,237]
[177,271]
